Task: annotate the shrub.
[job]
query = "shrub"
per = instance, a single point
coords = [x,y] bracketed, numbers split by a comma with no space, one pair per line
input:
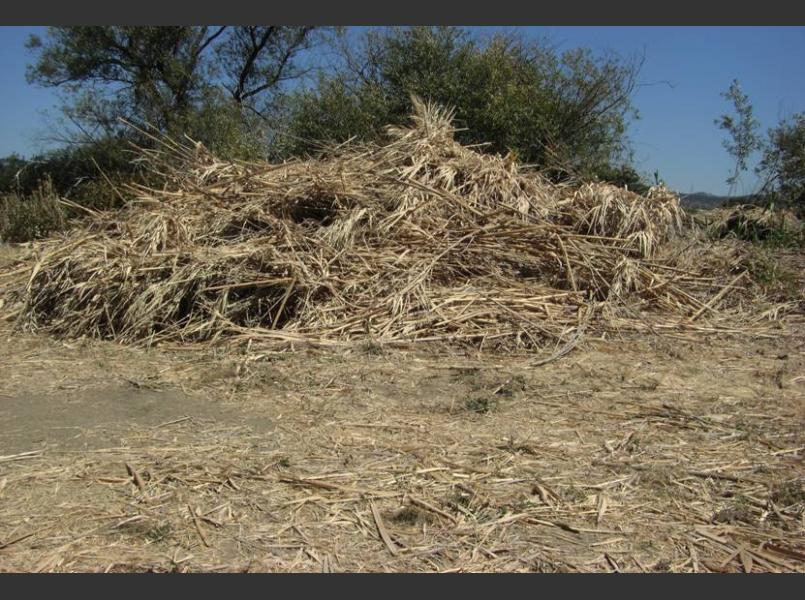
[24,218]
[565,111]
[768,225]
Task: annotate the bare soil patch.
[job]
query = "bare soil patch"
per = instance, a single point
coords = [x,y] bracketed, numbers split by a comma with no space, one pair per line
[632,454]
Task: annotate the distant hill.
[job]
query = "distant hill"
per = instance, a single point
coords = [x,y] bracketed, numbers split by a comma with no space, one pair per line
[702,200]
[705,200]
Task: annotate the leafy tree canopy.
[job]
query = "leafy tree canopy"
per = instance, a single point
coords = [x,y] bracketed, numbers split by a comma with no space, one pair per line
[205,82]
[567,111]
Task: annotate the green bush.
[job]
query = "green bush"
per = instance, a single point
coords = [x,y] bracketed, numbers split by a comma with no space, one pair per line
[783,163]
[67,168]
[24,218]
[567,112]
[623,176]
[775,277]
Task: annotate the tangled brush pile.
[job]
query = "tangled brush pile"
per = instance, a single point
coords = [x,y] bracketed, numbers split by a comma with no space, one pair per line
[416,239]
[755,223]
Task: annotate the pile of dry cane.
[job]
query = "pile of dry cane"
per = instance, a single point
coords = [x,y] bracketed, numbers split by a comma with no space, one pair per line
[416,239]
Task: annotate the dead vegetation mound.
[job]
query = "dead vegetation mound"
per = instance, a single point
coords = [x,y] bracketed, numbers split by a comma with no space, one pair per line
[755,223]
[416,239]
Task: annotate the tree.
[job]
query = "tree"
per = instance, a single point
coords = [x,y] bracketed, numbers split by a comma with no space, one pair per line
[174,78]
[564,111]
[258,59]
[783,162]
[742,128]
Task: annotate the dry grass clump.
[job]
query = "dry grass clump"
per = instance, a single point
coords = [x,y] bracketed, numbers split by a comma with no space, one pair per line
[755,223]
[417,239]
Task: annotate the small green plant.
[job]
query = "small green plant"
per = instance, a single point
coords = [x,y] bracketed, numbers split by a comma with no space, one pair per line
[513,385]
[789,493]
[539,565]
[371,347]
[410,515]
[784,238]
[770,274]
[158,533]
[480,405]
[739,510]
[573,495]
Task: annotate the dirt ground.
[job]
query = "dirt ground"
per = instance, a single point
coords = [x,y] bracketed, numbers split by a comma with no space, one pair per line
[633,454]
[638,453]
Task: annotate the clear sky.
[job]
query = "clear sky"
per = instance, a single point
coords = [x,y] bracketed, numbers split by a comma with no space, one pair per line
[684,71]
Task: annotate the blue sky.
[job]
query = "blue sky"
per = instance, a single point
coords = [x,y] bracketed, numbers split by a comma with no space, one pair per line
[675,133]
